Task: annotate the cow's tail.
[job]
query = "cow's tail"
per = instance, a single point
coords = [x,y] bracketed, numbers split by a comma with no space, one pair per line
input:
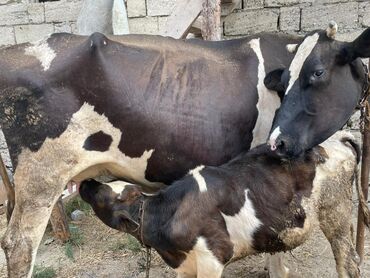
[9,189]
[361,198]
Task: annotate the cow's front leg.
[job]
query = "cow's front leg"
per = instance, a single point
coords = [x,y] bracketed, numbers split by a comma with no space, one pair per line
[34,203]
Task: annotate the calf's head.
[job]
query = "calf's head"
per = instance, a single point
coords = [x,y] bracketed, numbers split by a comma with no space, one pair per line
[323,86]
[115,203]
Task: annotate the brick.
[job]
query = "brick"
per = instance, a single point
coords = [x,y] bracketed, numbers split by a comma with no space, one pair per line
[4,2]
[162,23]
[244,22]
[30,33]
[364,12]
[136,8]
[253,4]
[348,36]
[144,25]
[7,36]
[332,1]
[62,11]
[160,7]
[280,3]
[64,27]
[13,14]
[317,17]
[290,18]
[36,13]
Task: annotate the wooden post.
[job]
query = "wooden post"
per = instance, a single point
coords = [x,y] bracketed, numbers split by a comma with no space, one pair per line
[365,167]
[9,189]
[59,222]
[211,24]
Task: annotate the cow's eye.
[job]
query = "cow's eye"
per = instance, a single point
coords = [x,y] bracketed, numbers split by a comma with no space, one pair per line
[318,73]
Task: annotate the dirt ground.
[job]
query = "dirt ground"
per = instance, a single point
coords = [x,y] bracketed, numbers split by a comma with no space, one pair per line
[103,252]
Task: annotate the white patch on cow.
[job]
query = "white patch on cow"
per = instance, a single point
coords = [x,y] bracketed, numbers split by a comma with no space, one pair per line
[241,228]
[304,50]
[118,186]
[268,101]
[43,52]
[200,262]
[291,47]
[62,159]
[199,178]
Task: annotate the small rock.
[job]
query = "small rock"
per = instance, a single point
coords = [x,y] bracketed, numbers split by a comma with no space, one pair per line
[77,215]
[49,241]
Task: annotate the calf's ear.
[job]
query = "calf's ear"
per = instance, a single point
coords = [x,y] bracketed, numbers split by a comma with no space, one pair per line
[359,48]
[129,194]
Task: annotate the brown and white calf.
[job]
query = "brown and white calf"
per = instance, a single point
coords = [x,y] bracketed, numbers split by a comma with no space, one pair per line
[255,203]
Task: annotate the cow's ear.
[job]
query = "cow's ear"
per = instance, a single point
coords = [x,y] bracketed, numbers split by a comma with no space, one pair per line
[273,80]
[130,194]
[359,48]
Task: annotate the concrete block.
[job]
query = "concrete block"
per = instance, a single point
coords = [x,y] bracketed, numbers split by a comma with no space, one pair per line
[6,38]
[244,22]
[318,17]
[5,2]
[253,4]
[160,7]
[64,27]
[290,18]
[144,25]
[30,33]
[136,8]
[13,14]
[348,36]
[364,13]
[281,3]
[36,13]
[62,11]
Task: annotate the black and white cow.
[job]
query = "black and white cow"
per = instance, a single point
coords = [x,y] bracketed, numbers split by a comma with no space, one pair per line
[146,109]
[322,85]
[255,203]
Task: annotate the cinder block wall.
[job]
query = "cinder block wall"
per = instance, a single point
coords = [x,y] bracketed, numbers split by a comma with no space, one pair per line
[22,21]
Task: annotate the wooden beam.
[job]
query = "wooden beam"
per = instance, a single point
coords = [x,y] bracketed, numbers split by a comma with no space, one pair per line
[59,222]
[182,17]
[211,24]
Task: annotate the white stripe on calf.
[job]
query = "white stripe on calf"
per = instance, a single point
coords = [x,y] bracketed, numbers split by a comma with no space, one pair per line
[242,226]
[198,177]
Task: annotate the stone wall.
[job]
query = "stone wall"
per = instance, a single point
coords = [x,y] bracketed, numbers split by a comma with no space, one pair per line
[22,21]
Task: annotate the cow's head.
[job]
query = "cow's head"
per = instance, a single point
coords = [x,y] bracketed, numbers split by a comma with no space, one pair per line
[323,86]
[115,203]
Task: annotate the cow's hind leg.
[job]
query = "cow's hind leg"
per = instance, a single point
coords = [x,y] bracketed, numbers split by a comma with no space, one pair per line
[335,222]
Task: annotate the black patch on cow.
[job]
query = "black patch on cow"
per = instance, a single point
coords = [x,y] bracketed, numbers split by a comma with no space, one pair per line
[99,141]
